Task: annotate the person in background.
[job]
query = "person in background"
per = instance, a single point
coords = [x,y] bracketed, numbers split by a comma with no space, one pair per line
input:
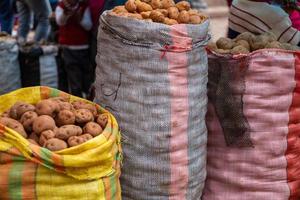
[41,9]
[6,15]
[74,20]
[96,7]
[259,17]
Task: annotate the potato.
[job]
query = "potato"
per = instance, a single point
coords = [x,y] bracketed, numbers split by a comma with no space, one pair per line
[33,142]
[239,50]
[65,117]
[14,124]
[169,21]
[195,19]
[243,43]
[19,108]
[13,110]
[76,140]
[43,123]
[46,135]
[224,43]
[120,9]
[67,131]
[223,51]
[212,46]
[164,12]
[81,104]
[130,6]
[27,120]
[259,42]
[183,5]
[55,144]
[34,137]
[173,13]
[143,7]
[245,36]
[274,45]
[133,16]
[65,106]
[193,12]
[86,136]
[146,1]
[157,16]
[156,4]
[167,4]
[6,113]
[25,107]
[47,107]
[183,17]
[92,128]
[146,15]
[83,116]
[102,120]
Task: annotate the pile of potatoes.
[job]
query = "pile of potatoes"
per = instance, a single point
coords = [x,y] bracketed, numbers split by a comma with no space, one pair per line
[160,11]
[248,42]
[55,123]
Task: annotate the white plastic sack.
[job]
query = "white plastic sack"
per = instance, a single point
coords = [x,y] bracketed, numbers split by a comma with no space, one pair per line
[9,65]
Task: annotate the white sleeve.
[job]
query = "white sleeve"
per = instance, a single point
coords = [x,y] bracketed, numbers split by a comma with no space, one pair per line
[86,21]
[60,17]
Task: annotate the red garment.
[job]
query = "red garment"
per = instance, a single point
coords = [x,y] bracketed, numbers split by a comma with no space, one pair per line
[96,6]
[229,2]
[72,33]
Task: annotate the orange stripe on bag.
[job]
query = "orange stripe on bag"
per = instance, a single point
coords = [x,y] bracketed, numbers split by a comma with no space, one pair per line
[5,167]
[28,180]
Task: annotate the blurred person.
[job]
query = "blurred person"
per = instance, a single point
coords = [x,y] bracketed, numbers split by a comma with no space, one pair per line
[96,7]
[41,9]
[6,15]
[259,16]
[53,4]
[74,20]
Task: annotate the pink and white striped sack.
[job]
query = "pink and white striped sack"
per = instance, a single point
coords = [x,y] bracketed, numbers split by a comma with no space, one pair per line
[153,78]
[253,124]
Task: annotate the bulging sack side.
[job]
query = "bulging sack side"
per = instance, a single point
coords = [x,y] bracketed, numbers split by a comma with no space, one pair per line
[252,121]
[153,78]
[87,171]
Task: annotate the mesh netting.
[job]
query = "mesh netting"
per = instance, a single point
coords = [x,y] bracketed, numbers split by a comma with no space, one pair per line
[226,88]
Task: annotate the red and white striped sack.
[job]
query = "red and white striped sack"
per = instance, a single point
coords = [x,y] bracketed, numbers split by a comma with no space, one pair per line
[253,123]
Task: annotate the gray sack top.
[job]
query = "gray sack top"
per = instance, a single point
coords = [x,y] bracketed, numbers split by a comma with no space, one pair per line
[143,33]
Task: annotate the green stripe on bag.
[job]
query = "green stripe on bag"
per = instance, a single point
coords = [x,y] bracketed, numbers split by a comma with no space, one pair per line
[15,179]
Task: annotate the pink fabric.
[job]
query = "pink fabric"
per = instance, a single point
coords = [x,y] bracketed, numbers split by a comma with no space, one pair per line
[178,63]
[260,172]
[295,18]
[96,7]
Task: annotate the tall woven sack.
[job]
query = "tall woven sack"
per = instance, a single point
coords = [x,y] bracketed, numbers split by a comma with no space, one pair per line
[9,65]
[253,126]
[153,78]
[88,171]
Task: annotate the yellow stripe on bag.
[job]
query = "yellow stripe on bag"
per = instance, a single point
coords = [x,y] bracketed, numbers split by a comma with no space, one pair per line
[49,183]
